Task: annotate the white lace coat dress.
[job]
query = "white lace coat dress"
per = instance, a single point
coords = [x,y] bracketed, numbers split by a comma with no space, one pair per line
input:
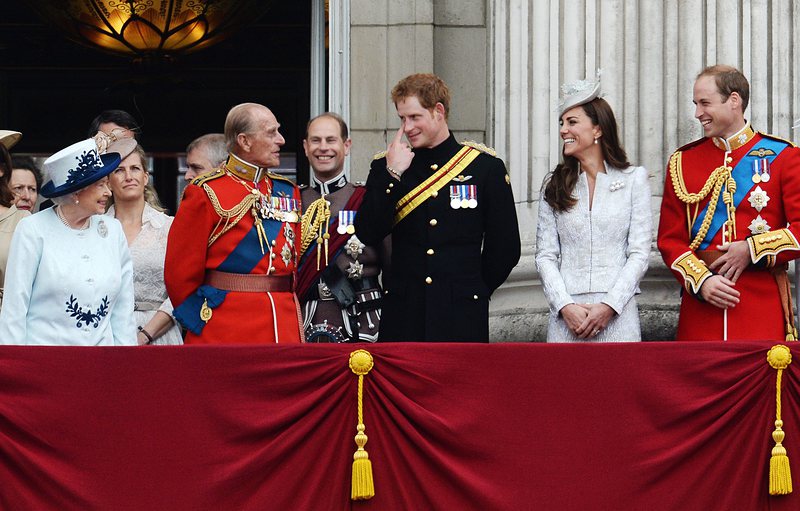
[597,255]
[147,253]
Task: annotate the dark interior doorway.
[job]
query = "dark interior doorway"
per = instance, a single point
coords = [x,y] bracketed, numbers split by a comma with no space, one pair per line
[51,88]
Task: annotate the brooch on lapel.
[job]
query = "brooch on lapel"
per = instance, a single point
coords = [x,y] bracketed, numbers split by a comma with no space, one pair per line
[616,185]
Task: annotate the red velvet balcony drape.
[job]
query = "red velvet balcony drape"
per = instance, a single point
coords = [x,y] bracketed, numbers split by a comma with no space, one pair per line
[647,426]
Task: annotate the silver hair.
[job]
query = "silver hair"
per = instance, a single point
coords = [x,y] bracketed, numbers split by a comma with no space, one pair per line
[214,146]
[240,119]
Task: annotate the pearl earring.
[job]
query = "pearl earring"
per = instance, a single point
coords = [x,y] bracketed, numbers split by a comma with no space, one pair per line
[596,140]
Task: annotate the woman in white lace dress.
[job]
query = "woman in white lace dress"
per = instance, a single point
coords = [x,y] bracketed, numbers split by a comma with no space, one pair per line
[595,226]
[136,206]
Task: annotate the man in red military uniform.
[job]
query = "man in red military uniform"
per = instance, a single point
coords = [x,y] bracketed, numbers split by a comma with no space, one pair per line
[730,219]
[232,249]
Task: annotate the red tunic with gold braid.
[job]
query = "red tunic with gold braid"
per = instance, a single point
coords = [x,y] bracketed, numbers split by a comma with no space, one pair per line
[744,188]
[239,220]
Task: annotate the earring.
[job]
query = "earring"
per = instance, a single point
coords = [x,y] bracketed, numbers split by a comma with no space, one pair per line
[596,140]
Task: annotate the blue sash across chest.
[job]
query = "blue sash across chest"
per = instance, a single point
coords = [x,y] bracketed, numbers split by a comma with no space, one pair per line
[247,254]
[742,173]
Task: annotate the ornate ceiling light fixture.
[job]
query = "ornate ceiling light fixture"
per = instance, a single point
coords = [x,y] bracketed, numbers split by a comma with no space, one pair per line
[149,29]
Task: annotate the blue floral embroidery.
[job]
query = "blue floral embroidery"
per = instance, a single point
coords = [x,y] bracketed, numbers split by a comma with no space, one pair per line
[88,163]
[87,317]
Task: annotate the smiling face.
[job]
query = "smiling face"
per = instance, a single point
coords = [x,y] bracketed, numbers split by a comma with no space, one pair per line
[325,148]
[578,132]
[23,185]
[93,199]
[719,118]
[423,128]
[127,181]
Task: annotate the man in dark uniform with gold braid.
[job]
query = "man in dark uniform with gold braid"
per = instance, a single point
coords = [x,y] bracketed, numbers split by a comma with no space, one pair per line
[337,277]
[451,214]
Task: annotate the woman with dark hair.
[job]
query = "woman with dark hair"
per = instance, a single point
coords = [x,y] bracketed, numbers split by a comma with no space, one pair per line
[595,226]
[9,214]
[135,204]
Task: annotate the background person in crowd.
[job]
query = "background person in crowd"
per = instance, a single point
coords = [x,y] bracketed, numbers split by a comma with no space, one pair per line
[10,216]
[115,123]
[232,249]
[80,292]
[595,228]
[25,182]
[134,203]
[730,219]
[450,211]
[204,154]
[337,280]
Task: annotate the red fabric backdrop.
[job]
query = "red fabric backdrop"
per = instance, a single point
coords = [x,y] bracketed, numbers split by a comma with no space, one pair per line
[647,426]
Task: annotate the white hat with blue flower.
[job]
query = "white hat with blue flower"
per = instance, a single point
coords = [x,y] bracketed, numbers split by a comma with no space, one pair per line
[78,166]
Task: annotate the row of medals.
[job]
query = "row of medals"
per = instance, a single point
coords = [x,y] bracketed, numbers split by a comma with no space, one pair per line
[283,209]
[463,196]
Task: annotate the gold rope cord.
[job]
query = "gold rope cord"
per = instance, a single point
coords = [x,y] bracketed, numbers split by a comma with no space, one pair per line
[721,175]
[228,218]
[314,226]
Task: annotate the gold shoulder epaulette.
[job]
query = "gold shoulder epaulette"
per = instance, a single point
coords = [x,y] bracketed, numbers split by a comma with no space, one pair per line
[779,139]
[379,155]
[208,176]
[279,177]
[480,147]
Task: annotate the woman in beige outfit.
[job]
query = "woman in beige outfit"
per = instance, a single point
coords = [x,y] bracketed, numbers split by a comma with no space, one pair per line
[9,214]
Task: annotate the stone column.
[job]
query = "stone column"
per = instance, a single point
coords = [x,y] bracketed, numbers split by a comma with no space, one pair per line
[650,53]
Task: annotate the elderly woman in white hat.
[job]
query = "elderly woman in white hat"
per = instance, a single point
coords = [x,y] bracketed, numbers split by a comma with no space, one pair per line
[69,279]
[10,216]
[595,228]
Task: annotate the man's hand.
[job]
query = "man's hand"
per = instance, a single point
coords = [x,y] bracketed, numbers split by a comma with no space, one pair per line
[398,155]
[597,317]
[733,262]
[719,292]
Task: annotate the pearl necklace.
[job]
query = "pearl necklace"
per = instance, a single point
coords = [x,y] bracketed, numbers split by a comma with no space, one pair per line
[64,221]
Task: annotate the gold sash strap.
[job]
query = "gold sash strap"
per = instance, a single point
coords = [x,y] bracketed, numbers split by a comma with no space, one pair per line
[434,183]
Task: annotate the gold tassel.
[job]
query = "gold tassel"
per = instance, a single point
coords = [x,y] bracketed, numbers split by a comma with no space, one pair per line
[314,224]
[362,485]
[780,474]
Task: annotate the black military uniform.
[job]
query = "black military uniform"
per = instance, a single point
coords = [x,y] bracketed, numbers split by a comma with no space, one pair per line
[448,255]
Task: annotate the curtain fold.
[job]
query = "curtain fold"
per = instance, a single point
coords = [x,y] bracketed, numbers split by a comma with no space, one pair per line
[641,426]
